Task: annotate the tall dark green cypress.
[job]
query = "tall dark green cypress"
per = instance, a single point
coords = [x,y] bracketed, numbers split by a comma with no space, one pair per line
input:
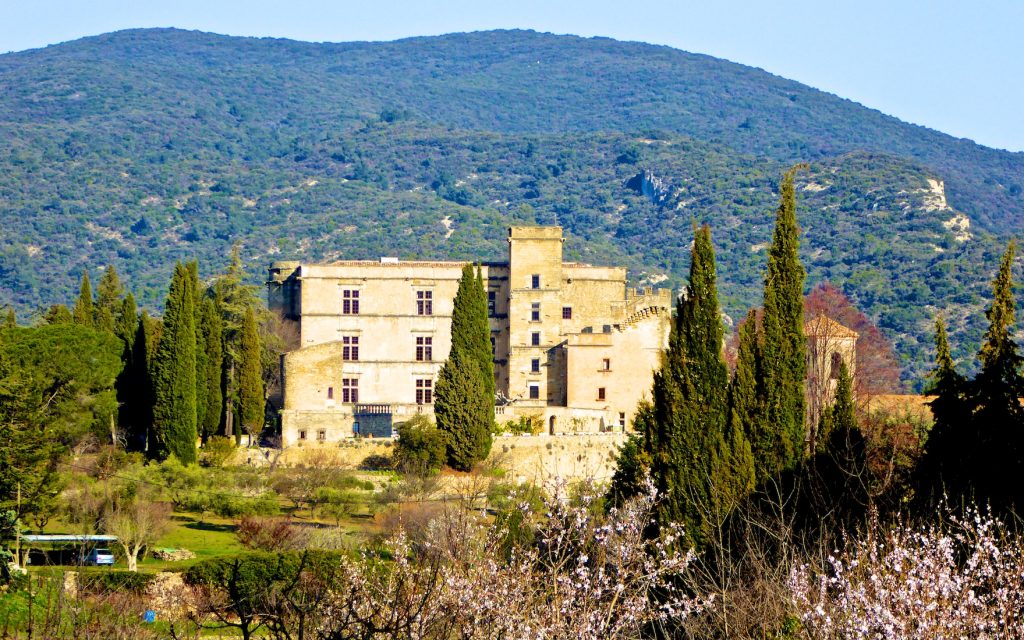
[138,407]
[174,373]
[998,420]
[784,346]
[692,455]
[462,412]
[126,328]
[127,321]
[108,300]
[250,381]
[201,349]
[942,465]
[464,400]
[213,327]
[83,312]
[747,397]
[841,416]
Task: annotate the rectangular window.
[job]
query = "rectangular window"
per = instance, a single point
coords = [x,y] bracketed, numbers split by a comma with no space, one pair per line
[350,348]
[302,434]
[330,393]
[600,393]
[321,435]
[424,349]
[350,390]
[534,391]
[492,297]
[535,338]
[494,346]
[622,420]
[535,281]
[566,313]
[425,303]
[606,364]
[424,391]
[350,302]
[535,312]
[535,365]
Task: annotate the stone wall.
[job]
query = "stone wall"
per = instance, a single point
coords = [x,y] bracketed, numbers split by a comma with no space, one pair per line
[537,459]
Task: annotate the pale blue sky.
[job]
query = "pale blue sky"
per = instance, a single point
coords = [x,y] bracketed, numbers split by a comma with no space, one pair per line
[955,66]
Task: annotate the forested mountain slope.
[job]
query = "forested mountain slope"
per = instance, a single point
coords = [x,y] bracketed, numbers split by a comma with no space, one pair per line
[140,147]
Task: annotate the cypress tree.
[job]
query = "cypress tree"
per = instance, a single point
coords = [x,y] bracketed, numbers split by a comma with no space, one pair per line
[996,461]
[941,467]
[83,311]
[747,397]
[127,324]
[462,412]
[138,408]
[699,466]
[201,349]
[233,297]
[126,385]
[10,319]
[212,327]
[464,400]
[634,463]
[840,417]
[174,373]
[784,346]
[471,333]
[690,400]
[250,380]
[108,300]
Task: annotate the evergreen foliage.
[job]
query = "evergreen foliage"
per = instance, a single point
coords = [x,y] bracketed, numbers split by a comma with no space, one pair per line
[58,314]
[747,397]
[250,381]
[127,384]
[463,412]
[127,324]
[174,374]
[784,346]
[212,329]
[701,467]
[108,300]
[998,431]
[202,356]
[841,415]
[83,311]
[943,462]
[471,333]
[234,299]
[464,399]
[421,446]
[976,447]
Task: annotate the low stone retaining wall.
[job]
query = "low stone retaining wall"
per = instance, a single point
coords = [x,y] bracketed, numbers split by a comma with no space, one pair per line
[538,458]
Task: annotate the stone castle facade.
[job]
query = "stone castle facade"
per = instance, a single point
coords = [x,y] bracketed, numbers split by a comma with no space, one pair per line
[574,347]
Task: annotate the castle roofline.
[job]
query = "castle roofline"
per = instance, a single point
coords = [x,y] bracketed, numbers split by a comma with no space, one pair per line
[825,327]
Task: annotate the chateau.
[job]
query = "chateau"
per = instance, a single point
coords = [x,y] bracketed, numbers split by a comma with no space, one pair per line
[574,347]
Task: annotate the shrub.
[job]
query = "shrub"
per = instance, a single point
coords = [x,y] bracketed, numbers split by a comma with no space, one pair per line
[377,462]
[531,425]
[421,445]
[233,506]
[269,534]
[109,581]
[217,451]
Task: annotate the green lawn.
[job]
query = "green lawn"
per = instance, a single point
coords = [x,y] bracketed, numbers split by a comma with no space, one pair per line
[206,537]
